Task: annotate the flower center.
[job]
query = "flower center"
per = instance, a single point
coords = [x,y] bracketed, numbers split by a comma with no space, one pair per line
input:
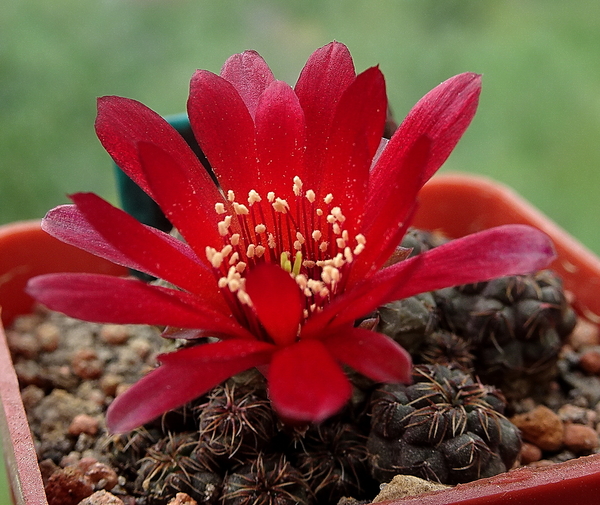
[308,239]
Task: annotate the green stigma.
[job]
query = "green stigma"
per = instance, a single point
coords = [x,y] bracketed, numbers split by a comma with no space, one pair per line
[297,264]
[286,264]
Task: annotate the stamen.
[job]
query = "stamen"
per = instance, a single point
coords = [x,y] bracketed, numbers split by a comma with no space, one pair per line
[220,208]
[297,186]
[234,258]
[231,196]
[310,196]
[260,228]
[328,199]
[217,259]
[241,266]
[271,196]
[235,239]
[281,205]
[253,197]
[240,209]
[316,235]
[259,250]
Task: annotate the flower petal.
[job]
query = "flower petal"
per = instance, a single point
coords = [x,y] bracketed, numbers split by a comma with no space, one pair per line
[108,299]
[497,252]
[327,73]
[183,376]
[280,139]
[442,116]
[356,133]
[372,354]
[122,123]
[225,131]
[306,383]
[147,249]
[250,75]
[184,203]
[277,301]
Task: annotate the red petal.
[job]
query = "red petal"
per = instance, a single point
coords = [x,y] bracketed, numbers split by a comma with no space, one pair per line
[306,383]
[497,252]
[442,116]
[225,131]
[280,139]
[183,376]
[150,250]
[107,299]
[372,354]
[250,75]
[355,136]
[388,218]
[122,123]
[327,73]
[277,301]
[183,201]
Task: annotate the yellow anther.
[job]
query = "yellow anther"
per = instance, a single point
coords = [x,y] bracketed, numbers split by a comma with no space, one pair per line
[340,242]
[235,239]
[297,245]
[360,238]
[231,196]
[336,229]
[220,208]
[328,199]
[310,196]
[226,251]
[358,249]
[281,205]
[234,258]
[316,235]
[240,209]
[222,282]
[250,251]
[260,228]
[348,255]
[253,197]
[323,246]
[259,250]
[271,241]
[241,266]
[216,260]
[319,212]
[271,196]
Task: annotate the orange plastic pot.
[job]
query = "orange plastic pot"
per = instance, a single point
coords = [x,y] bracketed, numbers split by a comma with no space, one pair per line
[26,251]
[455,204]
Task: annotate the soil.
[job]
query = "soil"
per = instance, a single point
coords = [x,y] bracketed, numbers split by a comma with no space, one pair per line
[70,371]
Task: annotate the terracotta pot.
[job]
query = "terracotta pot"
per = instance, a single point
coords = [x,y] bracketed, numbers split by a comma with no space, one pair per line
[455,204]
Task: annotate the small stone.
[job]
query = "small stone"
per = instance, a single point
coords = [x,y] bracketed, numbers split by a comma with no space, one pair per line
[102,498]
[68,486]
[530,453]
[23,344]
[584,334]
[541,427]
[103,476]
[114,334]
[590,362]
[47,468]
[31,395]
[83,424]
[48,335]
[183,499]
[580,439]
[86,364]
[542,463]
[84,463]
[141,347]
[403,486]
[580,415]
[109,383]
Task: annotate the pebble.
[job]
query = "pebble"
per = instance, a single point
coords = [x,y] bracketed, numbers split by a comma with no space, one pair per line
[530,453]
[48,335]
[83,423]
[85,364]
[114,334]
[68,486]
[403,486]
[103,476]
[542,427]
[580,415]
[580,439]
[183,499]
[590,362]
[102,498]
[109,383]
[584,334]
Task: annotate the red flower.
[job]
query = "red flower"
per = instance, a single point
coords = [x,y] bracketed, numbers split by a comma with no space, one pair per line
[281,259]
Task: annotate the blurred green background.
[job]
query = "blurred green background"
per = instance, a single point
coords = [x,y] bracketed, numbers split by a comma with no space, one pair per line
[537,129]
